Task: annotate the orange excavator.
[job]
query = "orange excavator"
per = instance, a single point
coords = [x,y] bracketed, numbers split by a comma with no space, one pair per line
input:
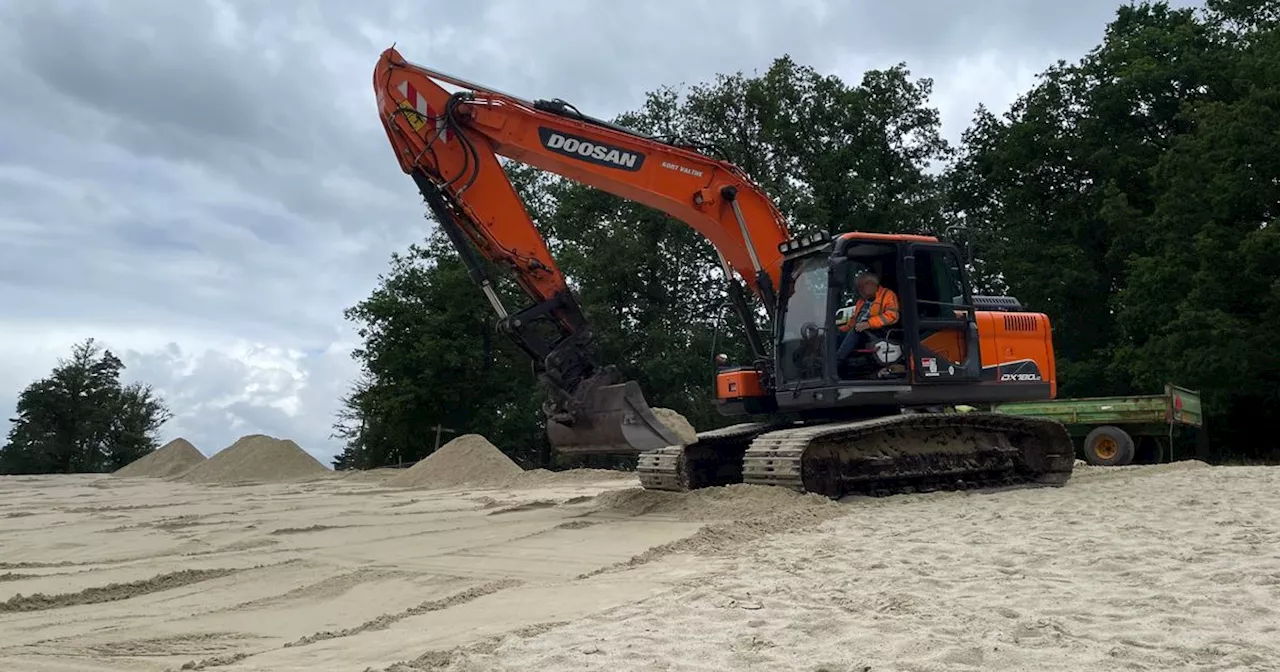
[875,418]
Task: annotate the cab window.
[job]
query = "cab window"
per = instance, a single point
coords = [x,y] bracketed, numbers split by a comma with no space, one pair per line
[803,338]
[940,290]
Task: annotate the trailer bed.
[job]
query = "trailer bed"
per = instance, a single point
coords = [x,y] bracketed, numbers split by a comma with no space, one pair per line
[1115,430]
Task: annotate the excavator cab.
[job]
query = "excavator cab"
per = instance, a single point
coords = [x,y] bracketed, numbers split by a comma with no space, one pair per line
[931,354]
[877,353]
[823,360]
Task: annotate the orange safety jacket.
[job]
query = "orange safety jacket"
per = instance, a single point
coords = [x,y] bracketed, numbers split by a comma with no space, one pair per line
[884,310]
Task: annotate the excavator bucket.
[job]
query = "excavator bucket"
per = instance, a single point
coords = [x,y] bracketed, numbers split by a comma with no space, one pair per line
[613,420]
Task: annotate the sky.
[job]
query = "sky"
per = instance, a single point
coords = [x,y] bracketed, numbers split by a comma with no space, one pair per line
[203,186]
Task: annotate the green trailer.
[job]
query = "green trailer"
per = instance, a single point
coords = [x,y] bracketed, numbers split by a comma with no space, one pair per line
[1114,431]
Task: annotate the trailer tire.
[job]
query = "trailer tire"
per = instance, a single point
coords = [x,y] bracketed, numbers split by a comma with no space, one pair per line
[1108,446]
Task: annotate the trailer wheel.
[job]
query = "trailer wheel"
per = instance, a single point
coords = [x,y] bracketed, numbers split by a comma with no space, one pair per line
[1108,446]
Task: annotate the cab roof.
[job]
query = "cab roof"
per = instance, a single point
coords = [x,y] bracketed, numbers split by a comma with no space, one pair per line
[888,237]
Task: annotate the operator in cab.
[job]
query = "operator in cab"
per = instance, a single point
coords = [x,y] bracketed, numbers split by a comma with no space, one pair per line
[876,308]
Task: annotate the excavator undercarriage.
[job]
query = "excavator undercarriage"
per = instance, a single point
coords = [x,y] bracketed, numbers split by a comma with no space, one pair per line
[916,452]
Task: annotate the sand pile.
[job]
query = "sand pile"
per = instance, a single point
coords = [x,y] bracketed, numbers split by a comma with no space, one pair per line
[467,460]
[738,501]
[170,460]
[737,516]
[536,477]
[1089,471]
[257,458]
[678,424]
[377,475]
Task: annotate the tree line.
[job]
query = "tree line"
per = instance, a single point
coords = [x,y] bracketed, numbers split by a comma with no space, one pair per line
[1129,195]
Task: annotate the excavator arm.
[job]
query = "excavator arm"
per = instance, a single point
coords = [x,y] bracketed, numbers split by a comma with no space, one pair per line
[449,143]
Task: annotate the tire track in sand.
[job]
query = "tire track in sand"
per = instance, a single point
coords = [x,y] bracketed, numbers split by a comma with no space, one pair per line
[386,620]
[112,592]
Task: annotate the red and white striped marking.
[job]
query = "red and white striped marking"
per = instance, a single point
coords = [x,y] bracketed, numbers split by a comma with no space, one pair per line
[421,107]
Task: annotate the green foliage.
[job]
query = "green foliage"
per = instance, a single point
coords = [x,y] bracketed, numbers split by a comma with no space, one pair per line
[81,419]
[832,155]
[1130,195]
[1062,182]
[431,356]
[1206,299]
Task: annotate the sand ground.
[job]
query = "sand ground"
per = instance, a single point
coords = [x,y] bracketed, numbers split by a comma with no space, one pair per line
[1168,567]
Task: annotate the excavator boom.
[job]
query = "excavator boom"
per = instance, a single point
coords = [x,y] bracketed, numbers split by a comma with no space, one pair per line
[449,143]
[466,132]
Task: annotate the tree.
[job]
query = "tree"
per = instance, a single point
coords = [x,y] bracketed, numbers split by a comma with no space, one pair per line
[1062,184]
[1132,195]
[81,419]
[1204,303]
[431,355]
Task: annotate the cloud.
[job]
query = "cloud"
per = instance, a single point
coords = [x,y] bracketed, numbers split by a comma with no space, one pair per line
[203,186]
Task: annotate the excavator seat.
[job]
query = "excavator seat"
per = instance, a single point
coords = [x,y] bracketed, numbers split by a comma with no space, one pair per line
[881,358]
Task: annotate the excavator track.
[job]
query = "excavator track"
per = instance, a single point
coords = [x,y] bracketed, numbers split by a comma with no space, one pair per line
[716,459]
[888,455]
[912,453]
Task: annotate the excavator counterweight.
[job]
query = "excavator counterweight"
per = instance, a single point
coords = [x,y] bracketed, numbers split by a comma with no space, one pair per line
[847,390]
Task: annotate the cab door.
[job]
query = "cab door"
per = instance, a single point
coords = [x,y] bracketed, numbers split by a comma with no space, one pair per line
[942,326]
